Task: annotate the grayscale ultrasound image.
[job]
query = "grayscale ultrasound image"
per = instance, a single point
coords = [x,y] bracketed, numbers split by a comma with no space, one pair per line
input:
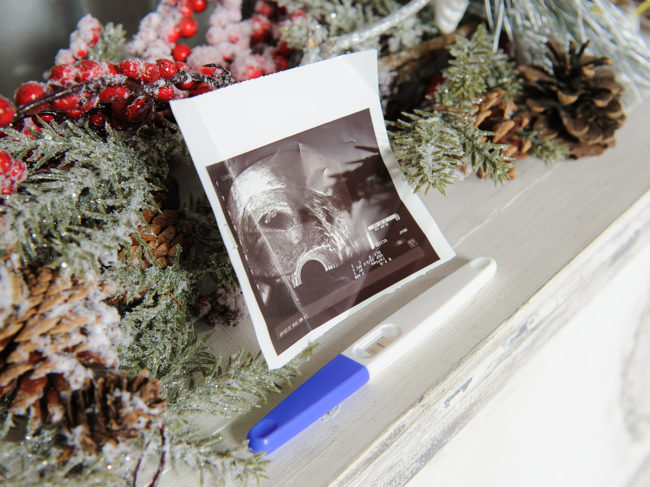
[319,224]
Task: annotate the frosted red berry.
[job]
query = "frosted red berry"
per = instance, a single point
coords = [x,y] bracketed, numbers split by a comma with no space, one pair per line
[62,73]
[12,172]
[261,29]
[6,162]
[264,8]
[7,112]
[135,109]
[112,93]
[174,34]
[185,8]
[130,68]
[181,52]
[66,103]
[87,70]
[74,113]
[188,26]
[165,93]
[167,68]
[150,73]
[28,92]
[97,119]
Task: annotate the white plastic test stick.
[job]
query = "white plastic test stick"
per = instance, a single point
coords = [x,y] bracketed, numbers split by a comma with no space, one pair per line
[369,355]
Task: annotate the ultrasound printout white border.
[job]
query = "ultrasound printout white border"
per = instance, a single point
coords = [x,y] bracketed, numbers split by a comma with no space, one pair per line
[239,118]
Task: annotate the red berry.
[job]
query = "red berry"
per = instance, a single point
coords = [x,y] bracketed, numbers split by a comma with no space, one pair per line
[131,68]
[181,52]
[28,92]
[264,8]
[150,73]
[98,119]
[199,89]
[74,113]
[167,68]
[185,8]
[434,82]
[66,103]
[7,188]
[87,70]
[47,117]
[283,49]
[185,84]
[7,112]
[298,15]
[135,110]
[165,93]
[17,172]
[62,73]
[174,34]
[208,70]
[82,53]
[112,93]
[188,26]
[199,5]
[6,161]
[281,63]
[251,72]
[261,29]
[110,69]
[97,31]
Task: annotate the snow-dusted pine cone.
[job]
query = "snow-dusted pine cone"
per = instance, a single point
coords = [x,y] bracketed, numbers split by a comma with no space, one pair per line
[163,233]
[109,409]
[53,329]
[577,102]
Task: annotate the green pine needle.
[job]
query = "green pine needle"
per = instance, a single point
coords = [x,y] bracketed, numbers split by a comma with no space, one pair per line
[110,45]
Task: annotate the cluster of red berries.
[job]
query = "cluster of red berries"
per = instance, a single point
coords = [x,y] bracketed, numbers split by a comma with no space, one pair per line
[123,94]
[186,27]
[12,172]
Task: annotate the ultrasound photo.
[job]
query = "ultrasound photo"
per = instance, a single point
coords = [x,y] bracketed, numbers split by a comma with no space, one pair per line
[318,224]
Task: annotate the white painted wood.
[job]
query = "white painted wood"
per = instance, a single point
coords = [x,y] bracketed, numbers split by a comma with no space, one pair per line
[578,413]
[558,235]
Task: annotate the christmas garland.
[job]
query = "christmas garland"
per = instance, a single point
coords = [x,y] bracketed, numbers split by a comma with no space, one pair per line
[105,267]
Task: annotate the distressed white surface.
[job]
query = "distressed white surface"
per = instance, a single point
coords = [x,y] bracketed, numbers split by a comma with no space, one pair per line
[559,235]
[577,414]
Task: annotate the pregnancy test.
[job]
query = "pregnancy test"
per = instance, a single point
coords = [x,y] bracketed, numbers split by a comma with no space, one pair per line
[369,355]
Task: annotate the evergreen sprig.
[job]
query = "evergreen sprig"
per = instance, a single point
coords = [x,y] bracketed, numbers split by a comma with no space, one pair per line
[476,68]
[214,462]
[110,45]
[428,148]
[434,143]
[83,195]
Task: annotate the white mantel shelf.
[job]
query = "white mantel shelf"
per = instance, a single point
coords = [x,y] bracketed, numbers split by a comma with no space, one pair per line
[558,235]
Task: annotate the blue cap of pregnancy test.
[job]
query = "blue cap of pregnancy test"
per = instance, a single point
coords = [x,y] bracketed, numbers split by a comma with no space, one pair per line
[325,389]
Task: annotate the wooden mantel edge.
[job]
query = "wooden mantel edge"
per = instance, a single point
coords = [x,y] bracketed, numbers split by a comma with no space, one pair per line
[411,441]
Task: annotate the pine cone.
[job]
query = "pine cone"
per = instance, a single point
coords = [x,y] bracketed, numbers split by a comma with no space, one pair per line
[578,102]
[163,232]
[494,114]
[111,408]
[55,326]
